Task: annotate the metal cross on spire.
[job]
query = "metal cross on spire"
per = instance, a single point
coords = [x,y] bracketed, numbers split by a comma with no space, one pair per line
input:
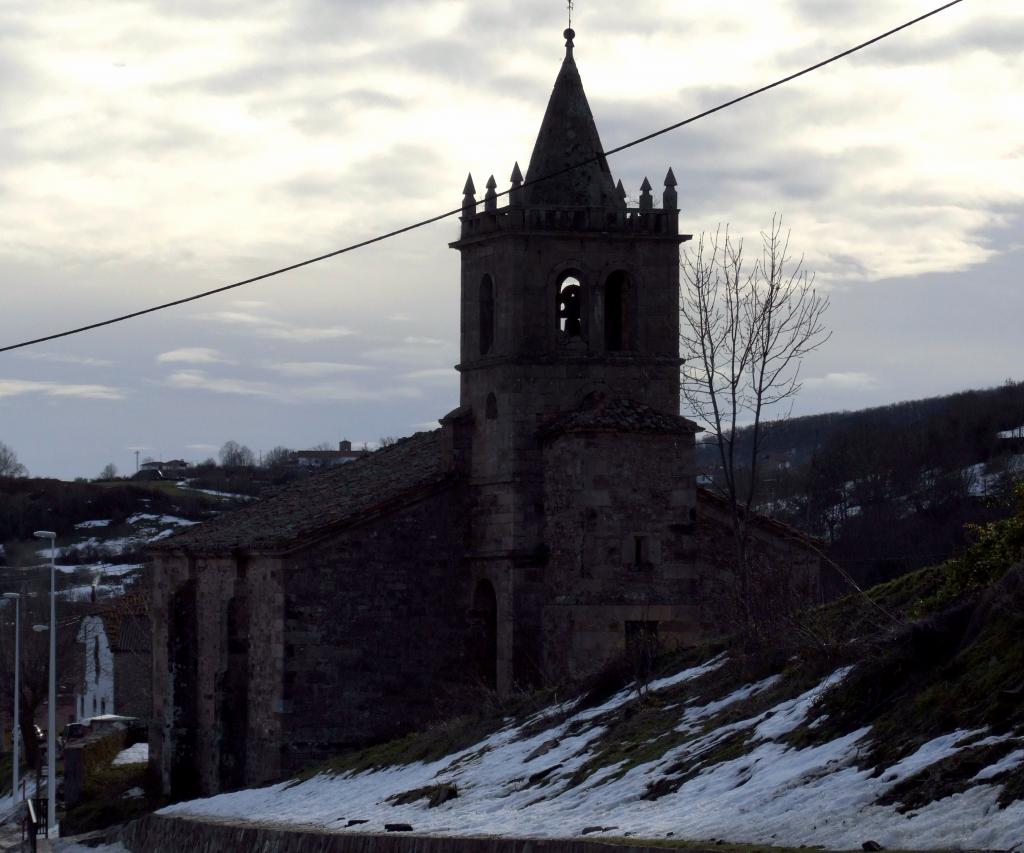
[571,4]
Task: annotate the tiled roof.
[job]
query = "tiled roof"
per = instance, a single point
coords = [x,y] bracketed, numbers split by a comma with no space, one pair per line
[324,500]
[620,415]
[813,543]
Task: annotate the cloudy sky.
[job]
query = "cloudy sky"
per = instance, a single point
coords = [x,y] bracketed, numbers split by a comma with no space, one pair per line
[152,149]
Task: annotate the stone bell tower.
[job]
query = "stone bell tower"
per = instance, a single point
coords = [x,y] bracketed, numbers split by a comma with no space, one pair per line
[568,296]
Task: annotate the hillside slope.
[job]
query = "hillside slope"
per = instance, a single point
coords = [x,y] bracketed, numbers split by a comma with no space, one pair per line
[896,716]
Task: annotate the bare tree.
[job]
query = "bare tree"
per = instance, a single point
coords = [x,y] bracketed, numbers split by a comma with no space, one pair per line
[276,457]
[744,334]
[235,455]
[9,464]
[109,472]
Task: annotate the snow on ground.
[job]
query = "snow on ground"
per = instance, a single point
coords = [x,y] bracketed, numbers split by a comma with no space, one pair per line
[84,592]
[183,484]
[69,845]
[138,754]
[151,518]
[87,525]
[1007,762]
[775,793]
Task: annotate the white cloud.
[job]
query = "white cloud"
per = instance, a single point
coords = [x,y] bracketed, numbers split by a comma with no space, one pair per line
[413,340]
[849,380]
[434,374]
[197,380]
[66,358]
[16,387]
[348,392]
[194,355]
[315,368]
[269,327]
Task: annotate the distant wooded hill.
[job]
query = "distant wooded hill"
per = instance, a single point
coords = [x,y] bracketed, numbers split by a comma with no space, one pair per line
[890,488]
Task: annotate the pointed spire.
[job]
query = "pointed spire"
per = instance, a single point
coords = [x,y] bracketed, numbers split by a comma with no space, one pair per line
[620,190]
[669,199]
[468,204]
[567,138]
[646,200]
[515,194]
[491,196]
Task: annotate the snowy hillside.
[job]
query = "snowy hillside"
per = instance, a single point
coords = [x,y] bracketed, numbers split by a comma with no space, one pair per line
[702,754]
[102,558]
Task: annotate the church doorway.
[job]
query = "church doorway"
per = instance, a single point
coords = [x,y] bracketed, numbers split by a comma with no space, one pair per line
[484,620]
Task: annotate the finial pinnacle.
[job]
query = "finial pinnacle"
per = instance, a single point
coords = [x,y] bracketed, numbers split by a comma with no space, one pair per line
[517,175]
[645,187]
[621,190]
[670,179]
[491,183]
[469,189]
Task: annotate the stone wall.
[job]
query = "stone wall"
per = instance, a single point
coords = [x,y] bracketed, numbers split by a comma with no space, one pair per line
[133,684]
[620,533]
[167,834]
[786,568]
[192,598]
[375,629]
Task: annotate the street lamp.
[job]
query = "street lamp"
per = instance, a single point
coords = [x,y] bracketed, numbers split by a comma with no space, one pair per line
[51,747]
[16,733]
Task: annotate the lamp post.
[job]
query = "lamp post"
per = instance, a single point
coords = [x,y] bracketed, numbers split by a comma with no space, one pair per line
[16,732]
[51,734]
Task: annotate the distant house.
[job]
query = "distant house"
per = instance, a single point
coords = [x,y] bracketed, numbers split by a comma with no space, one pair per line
[116,672]
[173,469]
[326,458]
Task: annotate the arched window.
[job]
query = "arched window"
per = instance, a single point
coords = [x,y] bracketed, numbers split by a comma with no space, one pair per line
[617,314]
[486,314]
[570,307]
[491,407]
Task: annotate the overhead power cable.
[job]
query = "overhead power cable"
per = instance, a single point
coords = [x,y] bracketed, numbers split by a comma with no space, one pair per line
[458,210]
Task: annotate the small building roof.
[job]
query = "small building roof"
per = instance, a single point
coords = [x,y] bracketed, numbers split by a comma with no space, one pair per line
[334,497]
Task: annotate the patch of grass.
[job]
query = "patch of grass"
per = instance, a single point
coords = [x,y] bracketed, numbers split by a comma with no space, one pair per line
[103,803]
[435,795]
[949,776]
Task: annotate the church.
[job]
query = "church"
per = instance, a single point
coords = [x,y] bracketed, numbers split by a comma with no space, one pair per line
[552,519]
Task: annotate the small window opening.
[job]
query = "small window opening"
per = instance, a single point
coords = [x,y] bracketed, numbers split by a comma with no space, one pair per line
[96,659]
[491,407]
[641,632]
[486,314]
[103,706]
[615,312]
[641,554]
[569,307]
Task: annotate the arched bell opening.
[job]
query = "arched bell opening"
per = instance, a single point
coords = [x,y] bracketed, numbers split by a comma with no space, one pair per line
[570,306]
[619,312]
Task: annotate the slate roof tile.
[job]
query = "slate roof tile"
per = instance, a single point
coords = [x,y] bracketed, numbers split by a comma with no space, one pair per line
[324,500]
[620,415]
